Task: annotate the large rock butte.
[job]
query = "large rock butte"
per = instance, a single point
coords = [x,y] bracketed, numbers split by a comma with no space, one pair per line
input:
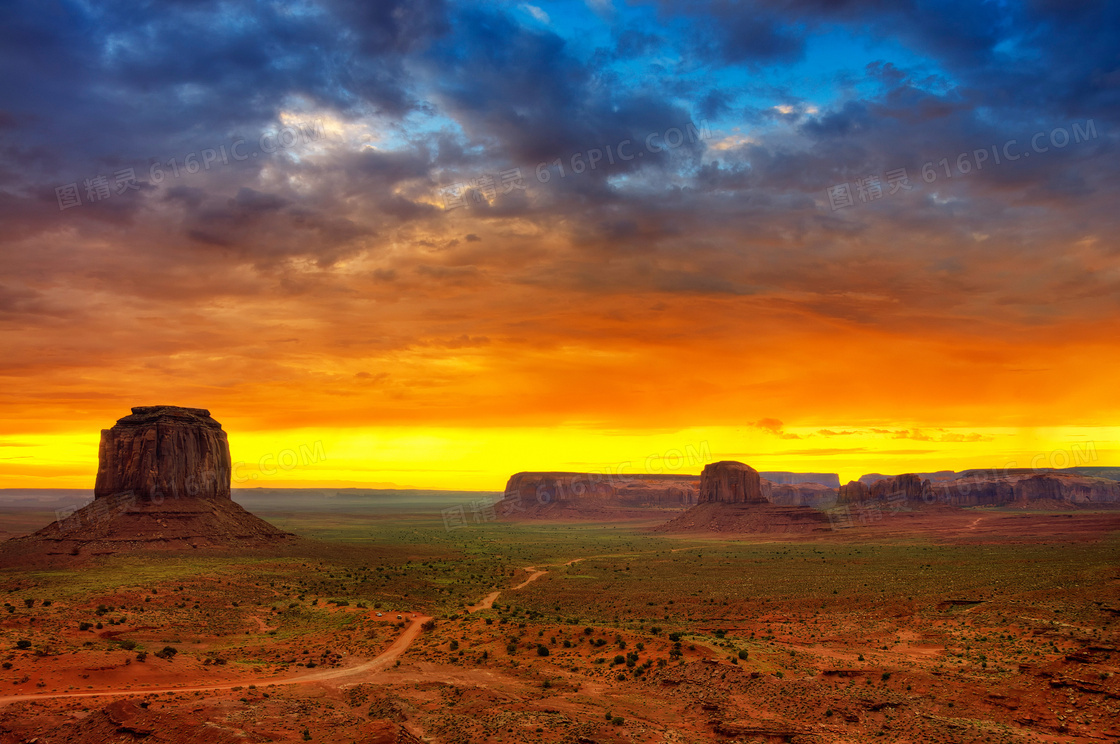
[164,452]
[730,482]
[163,481]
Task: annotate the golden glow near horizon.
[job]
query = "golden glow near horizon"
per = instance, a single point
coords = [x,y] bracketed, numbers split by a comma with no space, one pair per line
[482,459]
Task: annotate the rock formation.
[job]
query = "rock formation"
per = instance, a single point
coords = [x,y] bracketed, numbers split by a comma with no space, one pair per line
[163,481]
[164,452]
[779,477]
[733,499]
[1047,488]
[730,482]
[588,495]
[1022,487]
[853,493]
[798,494]
[909,488]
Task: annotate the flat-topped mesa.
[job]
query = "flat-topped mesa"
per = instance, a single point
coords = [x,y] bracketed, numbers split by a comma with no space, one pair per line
[161,452]
[730,482]
[532,489]
[785,477]
[806,493]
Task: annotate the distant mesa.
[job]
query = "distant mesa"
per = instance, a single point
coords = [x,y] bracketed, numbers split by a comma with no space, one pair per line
[564,495]
[784,477]
[1015,487]
[733,498]
[798,494]
[163,481]
[591,495]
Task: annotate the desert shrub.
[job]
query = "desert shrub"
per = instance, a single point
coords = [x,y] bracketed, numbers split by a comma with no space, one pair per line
[618,659]
[743,655]
[23,644]
[85,626]
[617,720]
[127,645]
[428,625]
[168,652]
[542,650]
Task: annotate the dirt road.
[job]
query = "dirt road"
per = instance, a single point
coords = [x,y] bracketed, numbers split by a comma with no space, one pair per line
[376,664]
[488,601]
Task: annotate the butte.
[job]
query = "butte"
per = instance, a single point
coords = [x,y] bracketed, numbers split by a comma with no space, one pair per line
[163,482]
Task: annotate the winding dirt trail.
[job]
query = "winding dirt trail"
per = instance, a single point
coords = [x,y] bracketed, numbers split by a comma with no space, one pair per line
[534,574]
[376,664]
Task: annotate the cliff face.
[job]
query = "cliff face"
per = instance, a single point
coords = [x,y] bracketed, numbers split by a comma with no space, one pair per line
[1024,489]
[908,487]
[782,477]
[593,491]
[853,492]
[798,494]
[163,452]
[986,488]
[730,482]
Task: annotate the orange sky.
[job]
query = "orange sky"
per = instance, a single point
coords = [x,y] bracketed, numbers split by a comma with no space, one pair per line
[370,292]
[568,382]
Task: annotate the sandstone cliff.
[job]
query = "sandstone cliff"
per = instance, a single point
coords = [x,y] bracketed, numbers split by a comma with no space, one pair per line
[852,493]
[163,452]
[1048,488]
[592,495]
[780,477]
[798,494]
[1021,487]
[730,482]
[909,488]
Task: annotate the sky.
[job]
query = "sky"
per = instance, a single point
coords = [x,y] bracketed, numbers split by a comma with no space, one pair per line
[430,243]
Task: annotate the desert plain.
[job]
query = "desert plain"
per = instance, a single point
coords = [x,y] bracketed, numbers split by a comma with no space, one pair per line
[991,624]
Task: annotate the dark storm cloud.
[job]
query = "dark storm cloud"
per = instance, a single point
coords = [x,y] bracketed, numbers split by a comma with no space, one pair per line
[523,94]
[93,88]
